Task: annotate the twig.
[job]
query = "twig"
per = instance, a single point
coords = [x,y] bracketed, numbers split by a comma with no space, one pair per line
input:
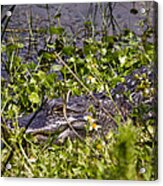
[26,158]
[111,17]
[109,94]
[69,124]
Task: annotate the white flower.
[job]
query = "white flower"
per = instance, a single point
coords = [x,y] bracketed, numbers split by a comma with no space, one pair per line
[94,126]
[91,79]
[32,159]
[89,119]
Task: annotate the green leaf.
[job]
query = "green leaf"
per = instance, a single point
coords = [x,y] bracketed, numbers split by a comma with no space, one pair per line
[20,45]
[87,23]
[68,50]
[34,97]
[41,74]
[56,67]
[31,65]
[56,30]
[3,48]
[103,51]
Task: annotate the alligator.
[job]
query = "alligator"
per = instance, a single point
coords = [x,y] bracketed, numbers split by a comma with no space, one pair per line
[100,109]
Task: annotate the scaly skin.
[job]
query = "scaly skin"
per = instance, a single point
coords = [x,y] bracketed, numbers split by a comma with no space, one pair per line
[51,119]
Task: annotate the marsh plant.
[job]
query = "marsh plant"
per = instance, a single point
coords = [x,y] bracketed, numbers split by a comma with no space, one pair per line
[98,64]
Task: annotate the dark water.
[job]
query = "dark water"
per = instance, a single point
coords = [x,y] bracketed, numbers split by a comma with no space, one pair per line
[74,15]
[113,18]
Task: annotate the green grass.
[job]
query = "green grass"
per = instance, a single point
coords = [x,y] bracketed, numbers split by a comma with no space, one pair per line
[97,66]
[118,156]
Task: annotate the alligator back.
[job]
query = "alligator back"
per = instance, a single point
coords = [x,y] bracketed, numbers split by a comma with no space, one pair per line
[100,109]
